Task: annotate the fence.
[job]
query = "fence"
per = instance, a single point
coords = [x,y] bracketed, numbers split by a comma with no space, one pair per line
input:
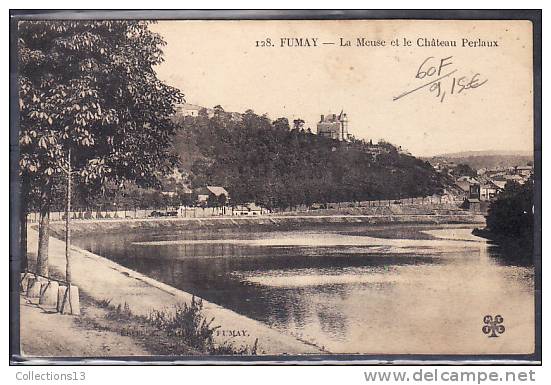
[404,201]
[135,213]
[417,201]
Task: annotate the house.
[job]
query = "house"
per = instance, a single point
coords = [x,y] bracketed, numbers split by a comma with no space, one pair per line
[248,209]
[481,171]
[464,186]
[515,178]
[465,183]
[473,204]
[500,183]
[465,178]
[488,191]
[218,191]
[187,109]
[212,194]
[524,170]
[334,126]
[474,191]
[403,151]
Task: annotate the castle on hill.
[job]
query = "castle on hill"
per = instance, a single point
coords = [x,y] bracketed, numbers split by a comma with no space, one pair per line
[334,126]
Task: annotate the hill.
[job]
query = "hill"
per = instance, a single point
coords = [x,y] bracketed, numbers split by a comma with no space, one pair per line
[272,164]
[486,159]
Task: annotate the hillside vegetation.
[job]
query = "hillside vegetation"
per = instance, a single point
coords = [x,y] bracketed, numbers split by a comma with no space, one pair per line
[270,163]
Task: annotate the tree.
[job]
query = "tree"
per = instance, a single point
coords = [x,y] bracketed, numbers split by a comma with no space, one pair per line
[298,124]
[89,89]
[463,169]
[281,124]
[264,162]
[511,214]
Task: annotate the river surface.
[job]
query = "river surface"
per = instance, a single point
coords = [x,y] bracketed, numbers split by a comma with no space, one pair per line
[347,288]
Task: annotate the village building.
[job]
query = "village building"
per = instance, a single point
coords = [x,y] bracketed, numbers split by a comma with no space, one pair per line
[466,178]
[211,193]
[515,178]
[473,204]
[472,200]
[465,183]
[334,126]
[500,183]
[481,189]
[488,191]
[403,151]
[187,109]
[524,170]
[474,191]
[248,209]
[464,186]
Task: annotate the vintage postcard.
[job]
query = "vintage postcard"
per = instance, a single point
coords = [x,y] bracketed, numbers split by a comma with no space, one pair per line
[287,188]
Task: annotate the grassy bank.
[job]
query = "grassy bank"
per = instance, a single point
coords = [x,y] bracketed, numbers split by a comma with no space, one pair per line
[185,331]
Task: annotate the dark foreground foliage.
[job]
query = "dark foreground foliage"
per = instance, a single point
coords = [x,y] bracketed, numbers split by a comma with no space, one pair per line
[510,223]
[511,214]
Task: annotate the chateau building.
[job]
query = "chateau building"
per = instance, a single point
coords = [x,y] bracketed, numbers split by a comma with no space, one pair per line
[334,126]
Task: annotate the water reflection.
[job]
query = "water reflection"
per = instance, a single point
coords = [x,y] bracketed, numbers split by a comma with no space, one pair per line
[367,289]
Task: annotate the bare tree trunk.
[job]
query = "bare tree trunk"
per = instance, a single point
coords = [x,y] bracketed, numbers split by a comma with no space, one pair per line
[43,240]
[68,224]
[23,237]
[23,212]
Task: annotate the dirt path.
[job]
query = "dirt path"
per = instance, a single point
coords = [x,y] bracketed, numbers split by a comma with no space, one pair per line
[49,334]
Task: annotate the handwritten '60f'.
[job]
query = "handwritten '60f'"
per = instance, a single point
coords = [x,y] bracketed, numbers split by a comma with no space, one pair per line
[438,80]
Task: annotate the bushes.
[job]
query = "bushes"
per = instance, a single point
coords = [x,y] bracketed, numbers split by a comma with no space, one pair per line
[189,324]
[180,332]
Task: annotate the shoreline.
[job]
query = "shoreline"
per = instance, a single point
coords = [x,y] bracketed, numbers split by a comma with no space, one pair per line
[270,221]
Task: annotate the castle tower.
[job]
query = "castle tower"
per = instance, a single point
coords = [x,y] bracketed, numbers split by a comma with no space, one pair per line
[344,126]
[334,126]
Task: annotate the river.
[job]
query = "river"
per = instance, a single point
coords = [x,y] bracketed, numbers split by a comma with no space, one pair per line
[347,288]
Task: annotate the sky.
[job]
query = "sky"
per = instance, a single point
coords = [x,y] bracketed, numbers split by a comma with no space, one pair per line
[219,62]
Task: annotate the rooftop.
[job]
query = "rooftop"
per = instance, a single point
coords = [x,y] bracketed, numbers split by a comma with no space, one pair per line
[217,190]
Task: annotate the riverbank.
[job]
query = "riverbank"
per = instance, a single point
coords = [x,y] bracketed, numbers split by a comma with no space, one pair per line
[106,281]
[269,221]
[518,250]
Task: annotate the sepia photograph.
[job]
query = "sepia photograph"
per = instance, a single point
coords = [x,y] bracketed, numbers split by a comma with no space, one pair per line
[298,186]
